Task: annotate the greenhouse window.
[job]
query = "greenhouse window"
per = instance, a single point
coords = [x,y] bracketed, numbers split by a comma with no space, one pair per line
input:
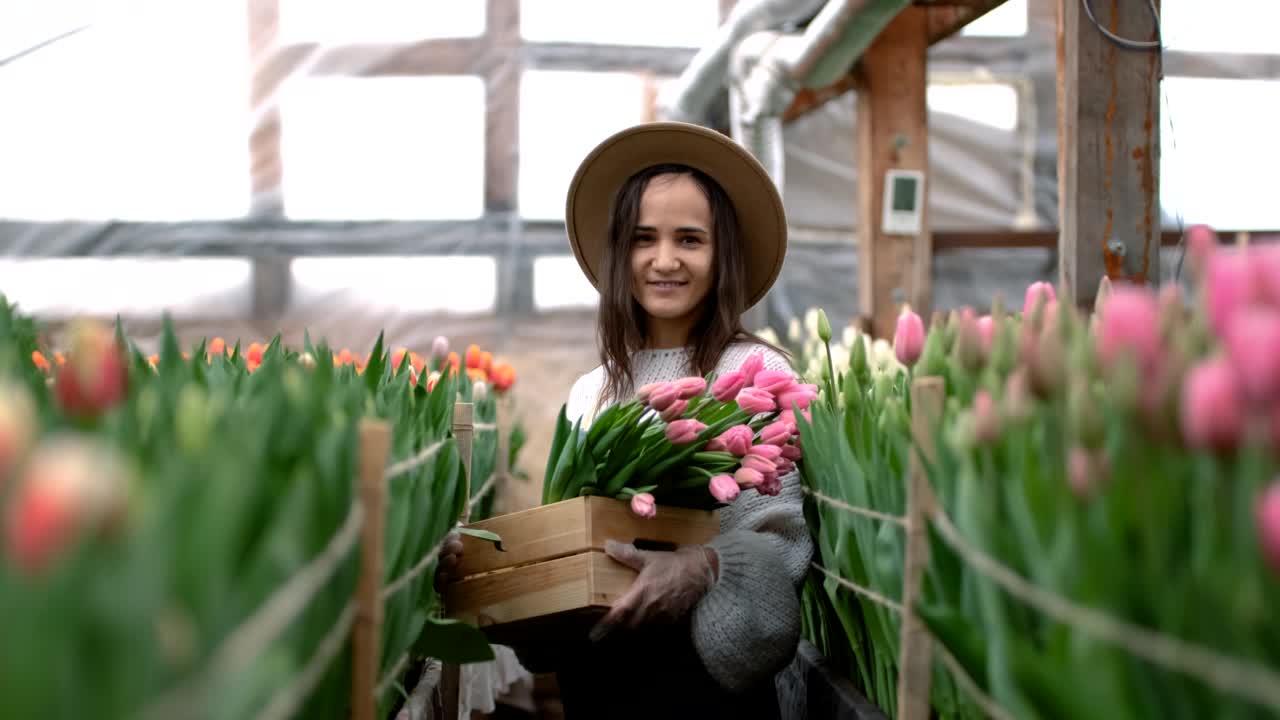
[1006,20]
[558,284]
[446,283]
[669,23]
[340,21]
[387,148]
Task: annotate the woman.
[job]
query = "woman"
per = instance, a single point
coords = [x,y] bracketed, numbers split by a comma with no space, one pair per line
[681,230]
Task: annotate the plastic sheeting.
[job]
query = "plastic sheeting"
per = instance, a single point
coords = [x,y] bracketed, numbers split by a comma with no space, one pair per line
[139,140]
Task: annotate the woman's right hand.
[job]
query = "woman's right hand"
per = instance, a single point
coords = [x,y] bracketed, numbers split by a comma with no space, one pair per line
[450,556]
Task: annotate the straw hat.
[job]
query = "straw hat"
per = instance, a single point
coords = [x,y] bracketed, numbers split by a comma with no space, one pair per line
[755,198]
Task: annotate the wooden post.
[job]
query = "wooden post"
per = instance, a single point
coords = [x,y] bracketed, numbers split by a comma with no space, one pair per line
[915,668]
[464,434]
[375,442]
[892,128]
[1109,216]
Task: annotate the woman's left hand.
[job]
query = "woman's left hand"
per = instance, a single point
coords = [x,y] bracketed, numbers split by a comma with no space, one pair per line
[670,584]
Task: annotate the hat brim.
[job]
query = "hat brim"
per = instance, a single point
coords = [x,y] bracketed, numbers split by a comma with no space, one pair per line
[755,198]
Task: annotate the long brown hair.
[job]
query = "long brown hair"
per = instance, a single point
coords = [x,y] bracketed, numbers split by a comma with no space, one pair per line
[621,321]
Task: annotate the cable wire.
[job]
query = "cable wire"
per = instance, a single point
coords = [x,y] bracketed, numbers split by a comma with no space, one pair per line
[1126,43]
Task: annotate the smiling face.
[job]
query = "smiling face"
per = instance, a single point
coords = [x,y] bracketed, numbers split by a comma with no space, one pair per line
[672,257]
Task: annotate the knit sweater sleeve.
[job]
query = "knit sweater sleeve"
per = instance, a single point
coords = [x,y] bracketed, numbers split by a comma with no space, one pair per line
[747,627]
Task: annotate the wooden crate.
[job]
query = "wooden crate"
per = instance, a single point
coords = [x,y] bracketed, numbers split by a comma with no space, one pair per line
[552,576]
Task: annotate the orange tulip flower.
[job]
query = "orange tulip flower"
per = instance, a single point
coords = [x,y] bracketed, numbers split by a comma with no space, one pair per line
[474,357]
[40,361]
[503,376]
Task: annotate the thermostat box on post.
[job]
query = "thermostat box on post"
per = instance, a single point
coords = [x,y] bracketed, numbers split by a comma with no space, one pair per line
[551,575]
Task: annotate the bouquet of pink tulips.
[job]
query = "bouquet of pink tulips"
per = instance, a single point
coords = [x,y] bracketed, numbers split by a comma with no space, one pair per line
[695,442]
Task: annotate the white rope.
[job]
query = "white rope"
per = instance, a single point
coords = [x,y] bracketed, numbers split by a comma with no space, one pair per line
[285,703]
[1247,680]
[988,705]
[396,669]
[418,460]
[484,427]
[865,512]
[399,583]
[866,592]
[489,484]
[244,645]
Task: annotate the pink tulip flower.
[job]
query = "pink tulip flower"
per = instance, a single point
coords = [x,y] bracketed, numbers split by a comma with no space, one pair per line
[1085,471]
[774,382]
[755,401]
[791,452]
[752,365]
[777,433]
[1266,263]
[801,396]
[674,411]
[770,452]
[683,432]
[440,347]
[643,504]
[748,478]
[785,466]
[1253,343]
[759,463]
[645,391]
[986,420]
[770,484]
[661,397]
[1036,291]
[1130,324]
[724,488]
[736,441]
[1202,242]
[727,386]
[908,338]
[1268,512]
[1212,414]
[986,334]
[690,387]
[1230,287]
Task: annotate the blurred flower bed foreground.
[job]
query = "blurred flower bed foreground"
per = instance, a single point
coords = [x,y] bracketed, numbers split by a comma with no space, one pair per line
[180,537]
[1124,461]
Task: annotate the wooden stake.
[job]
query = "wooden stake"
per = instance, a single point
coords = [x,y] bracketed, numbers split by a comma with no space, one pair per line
[375,443]
[464,429]
[915,671]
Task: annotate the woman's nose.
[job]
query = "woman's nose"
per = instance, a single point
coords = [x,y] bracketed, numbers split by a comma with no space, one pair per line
[666,258]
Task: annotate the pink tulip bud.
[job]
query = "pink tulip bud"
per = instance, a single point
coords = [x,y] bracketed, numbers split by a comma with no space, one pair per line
[661,397]
[94,378]
[798,396]
[1130,325]
[986,334]
[724,488]
[70,486]
[727,386]
[752,365]
[683,432]
[1201,244]
[1017,396]
[908,338]
[1212,415]
[777,433]
[770,452]
[1037,292]
[785,466]
[643,504]
[690,387]
[1267,272]
[774,382]
[770,484]
[755,401]
[646,391]
[736,440]
[17,427]
[791,452]
[986,421]
[1086,470]
[747,477]
[715,444]
[674,411]
[1230,286]
[789,415]
[759,463]
[1268,512]
[440,347]
[1253,343]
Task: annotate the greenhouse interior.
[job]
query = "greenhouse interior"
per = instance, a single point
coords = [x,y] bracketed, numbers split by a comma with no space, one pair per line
[801,359]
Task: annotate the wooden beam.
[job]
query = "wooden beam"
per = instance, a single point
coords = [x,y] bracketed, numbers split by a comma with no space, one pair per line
[265,167]
[1108,149]
[500,66]
[810,99]
[947,20]
[893,133]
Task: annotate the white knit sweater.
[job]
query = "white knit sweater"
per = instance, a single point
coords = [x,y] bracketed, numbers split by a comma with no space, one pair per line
[747,627]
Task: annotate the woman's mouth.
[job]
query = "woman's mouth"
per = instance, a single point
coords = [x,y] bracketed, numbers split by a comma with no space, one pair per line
[666,284]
